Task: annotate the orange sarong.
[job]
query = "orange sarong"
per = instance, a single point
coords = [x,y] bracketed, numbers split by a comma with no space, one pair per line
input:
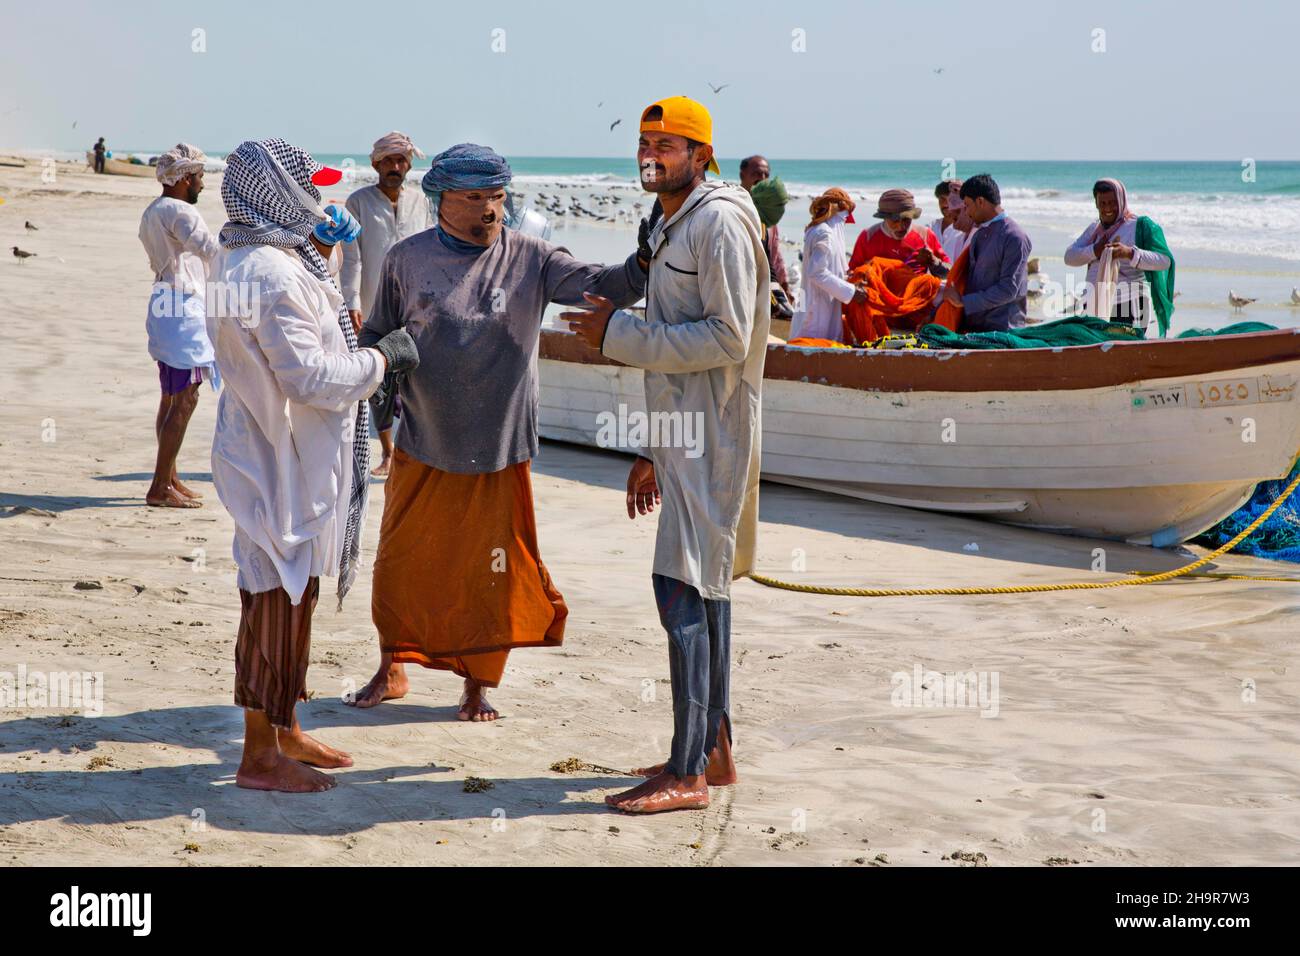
[458,579]
[896,296]
[949,315]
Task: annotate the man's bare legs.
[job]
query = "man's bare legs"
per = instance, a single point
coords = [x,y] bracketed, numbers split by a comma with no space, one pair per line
[174,413]
[389,683]
[721,770]
[268,765]
[386,447]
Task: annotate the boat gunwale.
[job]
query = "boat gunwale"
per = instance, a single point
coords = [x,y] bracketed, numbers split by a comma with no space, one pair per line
[1049,368]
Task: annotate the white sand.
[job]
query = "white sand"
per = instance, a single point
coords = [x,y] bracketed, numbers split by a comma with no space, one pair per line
[1121,735]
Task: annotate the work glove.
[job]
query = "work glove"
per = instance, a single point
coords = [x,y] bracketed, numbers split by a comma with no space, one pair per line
[340,227]
[399,349]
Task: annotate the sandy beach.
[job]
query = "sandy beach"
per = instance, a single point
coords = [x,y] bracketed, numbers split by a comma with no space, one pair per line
[1139,726]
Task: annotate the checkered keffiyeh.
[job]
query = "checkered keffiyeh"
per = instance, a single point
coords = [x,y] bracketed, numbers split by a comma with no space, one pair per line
[272,201]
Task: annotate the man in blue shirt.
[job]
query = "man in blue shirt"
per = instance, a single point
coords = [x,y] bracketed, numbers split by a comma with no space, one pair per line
[997,282]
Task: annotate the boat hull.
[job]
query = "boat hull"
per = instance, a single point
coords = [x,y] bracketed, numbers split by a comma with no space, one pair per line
[1150,461]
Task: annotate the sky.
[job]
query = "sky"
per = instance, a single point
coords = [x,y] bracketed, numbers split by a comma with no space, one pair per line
[1190,80]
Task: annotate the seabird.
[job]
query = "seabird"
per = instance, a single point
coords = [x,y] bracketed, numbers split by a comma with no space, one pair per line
[20,255]
[29,225]
[613,124]
[1238,301]
[1295,296]
[717,89]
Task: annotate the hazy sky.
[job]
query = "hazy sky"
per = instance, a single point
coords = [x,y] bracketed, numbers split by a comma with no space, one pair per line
[1178,80]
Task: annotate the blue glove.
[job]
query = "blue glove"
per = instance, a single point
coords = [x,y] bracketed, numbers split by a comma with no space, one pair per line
[340,227]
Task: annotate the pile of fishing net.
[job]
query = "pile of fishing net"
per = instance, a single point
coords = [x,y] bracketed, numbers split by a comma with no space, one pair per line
[1277,539]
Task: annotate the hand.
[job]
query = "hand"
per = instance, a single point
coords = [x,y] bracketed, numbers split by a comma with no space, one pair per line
[357,321]
[642,489]
[859,295]
[924,258]
[951,295]
[590,326]
[1120,251]
[399,351]
[340,227]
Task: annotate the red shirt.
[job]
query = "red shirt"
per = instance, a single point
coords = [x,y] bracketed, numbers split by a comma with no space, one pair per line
[875,242]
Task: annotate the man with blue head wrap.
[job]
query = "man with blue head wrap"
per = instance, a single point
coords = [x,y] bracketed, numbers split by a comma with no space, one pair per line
[458,578]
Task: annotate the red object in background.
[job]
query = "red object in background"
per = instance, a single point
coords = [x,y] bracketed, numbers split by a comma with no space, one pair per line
[326,176]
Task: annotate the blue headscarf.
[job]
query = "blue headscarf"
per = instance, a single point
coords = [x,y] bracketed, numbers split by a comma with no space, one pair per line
[465,166]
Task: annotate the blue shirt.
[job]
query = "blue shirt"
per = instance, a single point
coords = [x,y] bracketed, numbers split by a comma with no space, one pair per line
[997,283]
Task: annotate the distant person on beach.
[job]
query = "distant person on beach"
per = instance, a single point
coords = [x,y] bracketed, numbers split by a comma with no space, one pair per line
[953,227]
[702,344]
[285,460]
[458,579]
[388,211]
[826,290]
[100,150]
[180,248]
[754,170]
[1130,267]
[996,283]
[894,237]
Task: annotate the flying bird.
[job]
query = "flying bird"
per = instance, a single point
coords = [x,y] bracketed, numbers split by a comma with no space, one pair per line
[1238,301]
[938,71]
[600,104]
[718,89]
[29,225]
[613,124]
[20,255]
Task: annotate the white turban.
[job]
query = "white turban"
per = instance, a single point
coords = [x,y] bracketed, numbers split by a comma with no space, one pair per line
[393,144]
[178,162]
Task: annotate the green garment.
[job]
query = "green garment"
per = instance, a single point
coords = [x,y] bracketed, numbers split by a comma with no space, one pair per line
[1152,238]
[769,198]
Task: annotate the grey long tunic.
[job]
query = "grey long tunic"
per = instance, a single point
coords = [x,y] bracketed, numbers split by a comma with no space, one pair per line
[702,345]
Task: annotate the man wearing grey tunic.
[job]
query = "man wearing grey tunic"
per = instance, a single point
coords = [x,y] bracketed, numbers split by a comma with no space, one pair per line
[702,344]
[458,580]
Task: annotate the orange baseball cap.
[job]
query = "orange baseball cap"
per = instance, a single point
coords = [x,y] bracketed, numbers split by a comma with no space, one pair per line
[682,116]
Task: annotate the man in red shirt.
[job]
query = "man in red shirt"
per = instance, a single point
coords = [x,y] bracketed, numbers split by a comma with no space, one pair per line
[894,238]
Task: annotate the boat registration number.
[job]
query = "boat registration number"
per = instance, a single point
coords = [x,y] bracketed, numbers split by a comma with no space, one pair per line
[1245,391]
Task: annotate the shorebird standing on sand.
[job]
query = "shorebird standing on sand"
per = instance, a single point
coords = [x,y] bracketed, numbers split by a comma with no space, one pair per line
[1238,301]
[27,223]
[20,255]
[1295,296]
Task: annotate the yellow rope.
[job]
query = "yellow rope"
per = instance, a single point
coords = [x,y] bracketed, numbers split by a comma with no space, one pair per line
[1140,577]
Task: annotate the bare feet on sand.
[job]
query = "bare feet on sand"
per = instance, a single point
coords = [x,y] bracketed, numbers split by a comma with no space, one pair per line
[381,470]
[169,497]
[721,769]
[474,704]
[275,771]
[184,489]
[661,793]
[305,749]
[389,683]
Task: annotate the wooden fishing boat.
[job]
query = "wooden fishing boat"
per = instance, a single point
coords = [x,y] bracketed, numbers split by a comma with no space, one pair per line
[120,167]
[1151,442]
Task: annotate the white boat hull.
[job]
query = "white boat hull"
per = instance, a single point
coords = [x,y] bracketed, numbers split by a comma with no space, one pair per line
[1151,462]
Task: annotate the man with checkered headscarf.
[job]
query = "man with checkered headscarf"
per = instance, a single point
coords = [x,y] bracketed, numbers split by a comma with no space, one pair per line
[289,453]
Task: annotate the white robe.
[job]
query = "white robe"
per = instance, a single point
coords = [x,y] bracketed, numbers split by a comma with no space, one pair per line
[825,290]
[282,452]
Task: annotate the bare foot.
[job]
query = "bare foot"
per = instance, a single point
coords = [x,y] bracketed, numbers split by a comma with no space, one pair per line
[305,749]
[661,793]
[721,769]
[283,774]
[169,497]
[184,489]
[381,470]
[474,704]
[389,683]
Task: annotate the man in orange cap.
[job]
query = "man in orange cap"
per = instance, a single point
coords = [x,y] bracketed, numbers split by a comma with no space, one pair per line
[702,344]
